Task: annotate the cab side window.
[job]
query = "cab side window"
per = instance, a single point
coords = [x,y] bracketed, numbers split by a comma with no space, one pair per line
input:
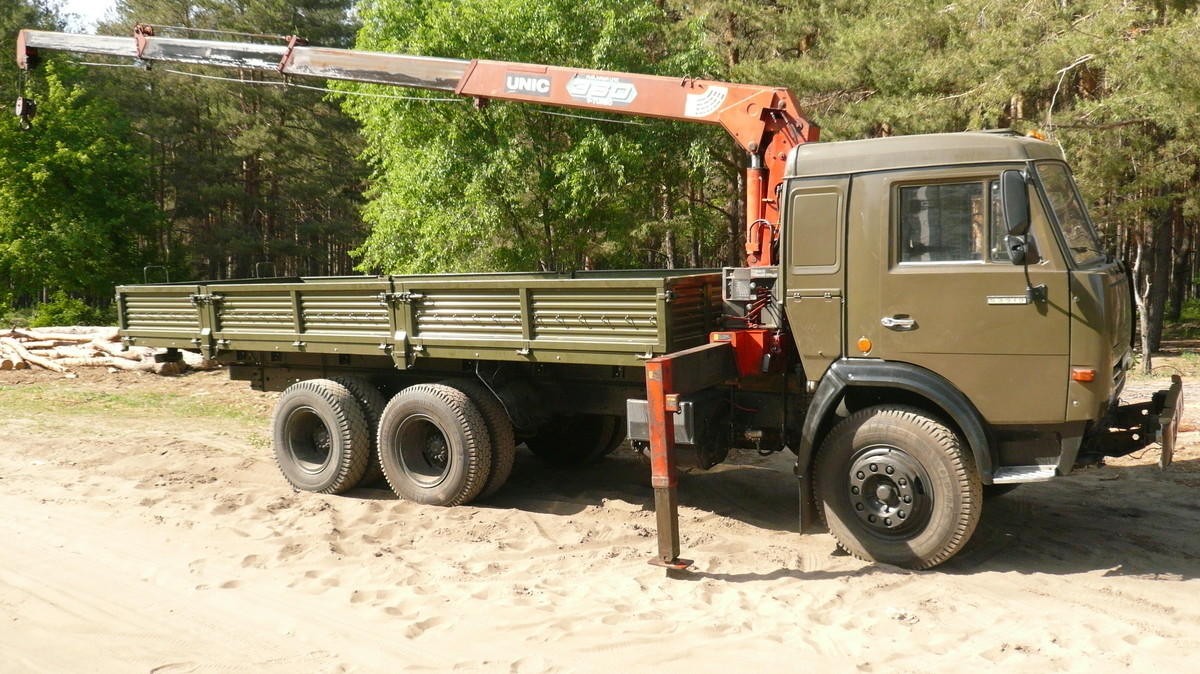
[943,222]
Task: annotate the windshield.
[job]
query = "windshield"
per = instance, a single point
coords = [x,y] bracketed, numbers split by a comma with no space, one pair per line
[1069,214]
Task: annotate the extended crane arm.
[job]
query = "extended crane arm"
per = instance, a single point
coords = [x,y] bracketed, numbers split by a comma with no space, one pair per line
[765,121]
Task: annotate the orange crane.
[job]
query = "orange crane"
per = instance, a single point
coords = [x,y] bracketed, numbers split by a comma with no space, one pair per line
[765,121]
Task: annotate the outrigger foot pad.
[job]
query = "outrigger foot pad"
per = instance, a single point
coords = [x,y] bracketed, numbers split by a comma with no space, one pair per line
[676,564]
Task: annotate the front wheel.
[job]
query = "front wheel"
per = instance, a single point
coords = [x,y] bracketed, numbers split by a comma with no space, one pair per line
[897,486]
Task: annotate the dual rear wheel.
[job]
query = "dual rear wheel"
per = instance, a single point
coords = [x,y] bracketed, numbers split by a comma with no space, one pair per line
[437,444]
[321,437]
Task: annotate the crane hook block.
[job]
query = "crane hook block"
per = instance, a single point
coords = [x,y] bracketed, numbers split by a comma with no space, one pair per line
[26,108]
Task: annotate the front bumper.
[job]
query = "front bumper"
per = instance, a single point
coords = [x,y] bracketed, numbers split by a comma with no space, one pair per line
[1130,428]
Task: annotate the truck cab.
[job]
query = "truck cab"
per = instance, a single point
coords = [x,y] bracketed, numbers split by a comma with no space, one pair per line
[905,287]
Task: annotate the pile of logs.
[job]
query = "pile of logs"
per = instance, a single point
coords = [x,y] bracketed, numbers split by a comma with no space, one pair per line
[60,349]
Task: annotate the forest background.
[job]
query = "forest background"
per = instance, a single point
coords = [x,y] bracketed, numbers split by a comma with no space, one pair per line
[129,174]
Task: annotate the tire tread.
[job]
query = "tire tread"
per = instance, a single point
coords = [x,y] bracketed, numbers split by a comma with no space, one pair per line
[371,404]
[470,423]
[962,473]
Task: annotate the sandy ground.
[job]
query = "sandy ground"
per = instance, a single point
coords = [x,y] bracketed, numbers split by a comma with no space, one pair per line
[144,528]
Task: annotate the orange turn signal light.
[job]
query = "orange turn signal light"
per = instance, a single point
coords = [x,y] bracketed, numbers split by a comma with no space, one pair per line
[864,344]
[1083,374]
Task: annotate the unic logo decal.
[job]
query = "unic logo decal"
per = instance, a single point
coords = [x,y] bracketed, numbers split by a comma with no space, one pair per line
[601,90]
[527,84]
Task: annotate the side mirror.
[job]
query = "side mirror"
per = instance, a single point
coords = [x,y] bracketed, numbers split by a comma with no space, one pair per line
[1015,202]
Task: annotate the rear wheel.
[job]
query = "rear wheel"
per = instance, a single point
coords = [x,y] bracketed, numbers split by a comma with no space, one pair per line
[434,446]
[371,404]
[576,440]
[500,432]
[897,486]
[320,437]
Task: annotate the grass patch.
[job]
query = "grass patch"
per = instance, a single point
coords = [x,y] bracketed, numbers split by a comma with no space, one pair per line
[52,398]
[1183,362]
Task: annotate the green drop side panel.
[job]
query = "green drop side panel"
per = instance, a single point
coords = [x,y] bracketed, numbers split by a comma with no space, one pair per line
[620,318]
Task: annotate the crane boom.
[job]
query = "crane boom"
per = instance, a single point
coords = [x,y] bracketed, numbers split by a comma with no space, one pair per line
[765,121]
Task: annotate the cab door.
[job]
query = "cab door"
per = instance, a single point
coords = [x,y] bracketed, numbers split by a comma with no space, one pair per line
[814,273]
[933,286]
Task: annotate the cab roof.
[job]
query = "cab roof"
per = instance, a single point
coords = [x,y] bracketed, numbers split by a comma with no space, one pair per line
[900,152]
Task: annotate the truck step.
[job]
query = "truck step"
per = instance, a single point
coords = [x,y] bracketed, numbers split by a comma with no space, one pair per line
[1013,474]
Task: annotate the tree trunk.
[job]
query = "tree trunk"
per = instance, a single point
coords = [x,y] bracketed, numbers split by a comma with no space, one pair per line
[1139,299]
[1181,270]
[1160,279]
[671,245]
[735,254]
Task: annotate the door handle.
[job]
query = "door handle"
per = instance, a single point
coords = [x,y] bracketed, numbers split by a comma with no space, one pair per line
[897,323]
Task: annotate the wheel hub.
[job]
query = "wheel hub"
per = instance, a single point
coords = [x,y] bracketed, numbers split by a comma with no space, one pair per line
[308,440]
[887,490]
[423,451]
[436,452]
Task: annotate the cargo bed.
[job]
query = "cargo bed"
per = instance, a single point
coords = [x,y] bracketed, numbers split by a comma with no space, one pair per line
[617,318]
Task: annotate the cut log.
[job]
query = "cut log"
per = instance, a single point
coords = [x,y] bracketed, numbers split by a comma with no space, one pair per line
[114,349]
[38,336]
[198,362]
[9,354]
[76,351]
[89,331]
[21,351]
[118,363]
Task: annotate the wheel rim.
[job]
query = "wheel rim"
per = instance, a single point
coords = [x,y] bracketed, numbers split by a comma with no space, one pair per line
[423,450]
[309,440]
[888,491]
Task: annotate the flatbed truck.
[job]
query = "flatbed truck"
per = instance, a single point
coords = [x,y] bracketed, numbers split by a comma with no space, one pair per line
[919,318]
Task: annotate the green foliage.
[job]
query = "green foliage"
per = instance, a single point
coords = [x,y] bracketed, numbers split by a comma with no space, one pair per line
[16,318]
[74,207]
[247,171]
[62,309]
[1191,312]
[511,187]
